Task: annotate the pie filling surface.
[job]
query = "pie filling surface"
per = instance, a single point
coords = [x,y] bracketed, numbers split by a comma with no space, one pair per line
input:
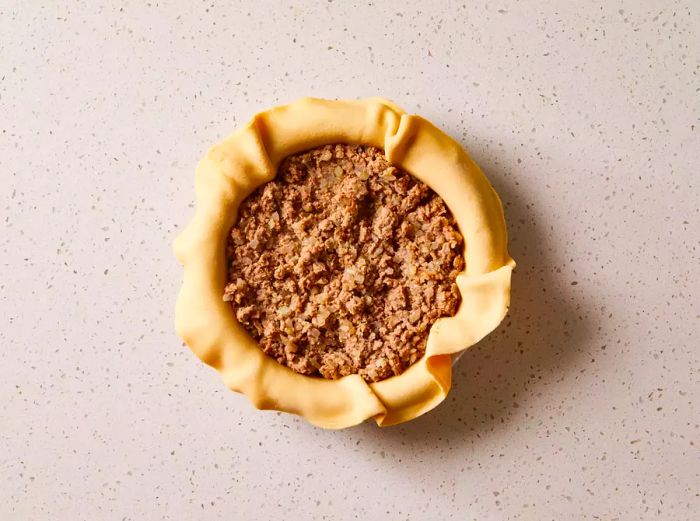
[341,264]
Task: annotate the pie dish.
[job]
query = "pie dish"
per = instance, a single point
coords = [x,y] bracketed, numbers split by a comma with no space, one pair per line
[250,157]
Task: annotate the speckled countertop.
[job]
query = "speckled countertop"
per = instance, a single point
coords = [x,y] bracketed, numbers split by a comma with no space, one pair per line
[584,404]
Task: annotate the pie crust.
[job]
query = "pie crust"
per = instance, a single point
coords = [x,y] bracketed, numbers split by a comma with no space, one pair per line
[231,170]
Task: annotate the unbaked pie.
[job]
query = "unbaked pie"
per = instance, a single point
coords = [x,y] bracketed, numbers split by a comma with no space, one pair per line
[340,254]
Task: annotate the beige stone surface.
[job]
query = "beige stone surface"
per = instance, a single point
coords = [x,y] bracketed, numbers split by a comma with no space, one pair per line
[583,404]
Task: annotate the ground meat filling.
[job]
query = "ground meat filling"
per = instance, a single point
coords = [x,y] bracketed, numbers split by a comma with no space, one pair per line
[342,263]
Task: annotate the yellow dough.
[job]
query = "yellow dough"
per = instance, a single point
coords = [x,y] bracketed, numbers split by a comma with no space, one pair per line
[248,158]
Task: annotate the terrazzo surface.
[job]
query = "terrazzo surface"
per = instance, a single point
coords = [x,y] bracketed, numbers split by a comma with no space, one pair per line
[583,404]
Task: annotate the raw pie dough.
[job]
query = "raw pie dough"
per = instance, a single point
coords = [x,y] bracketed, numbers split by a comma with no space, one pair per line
[232,169]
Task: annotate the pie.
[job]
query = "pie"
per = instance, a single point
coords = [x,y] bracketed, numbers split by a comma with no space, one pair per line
[341,253]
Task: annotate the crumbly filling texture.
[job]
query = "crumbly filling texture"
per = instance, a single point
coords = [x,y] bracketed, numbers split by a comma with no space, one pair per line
[341,264]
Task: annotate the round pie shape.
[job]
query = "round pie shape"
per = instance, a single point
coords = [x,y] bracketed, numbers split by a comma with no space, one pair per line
[231,170]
